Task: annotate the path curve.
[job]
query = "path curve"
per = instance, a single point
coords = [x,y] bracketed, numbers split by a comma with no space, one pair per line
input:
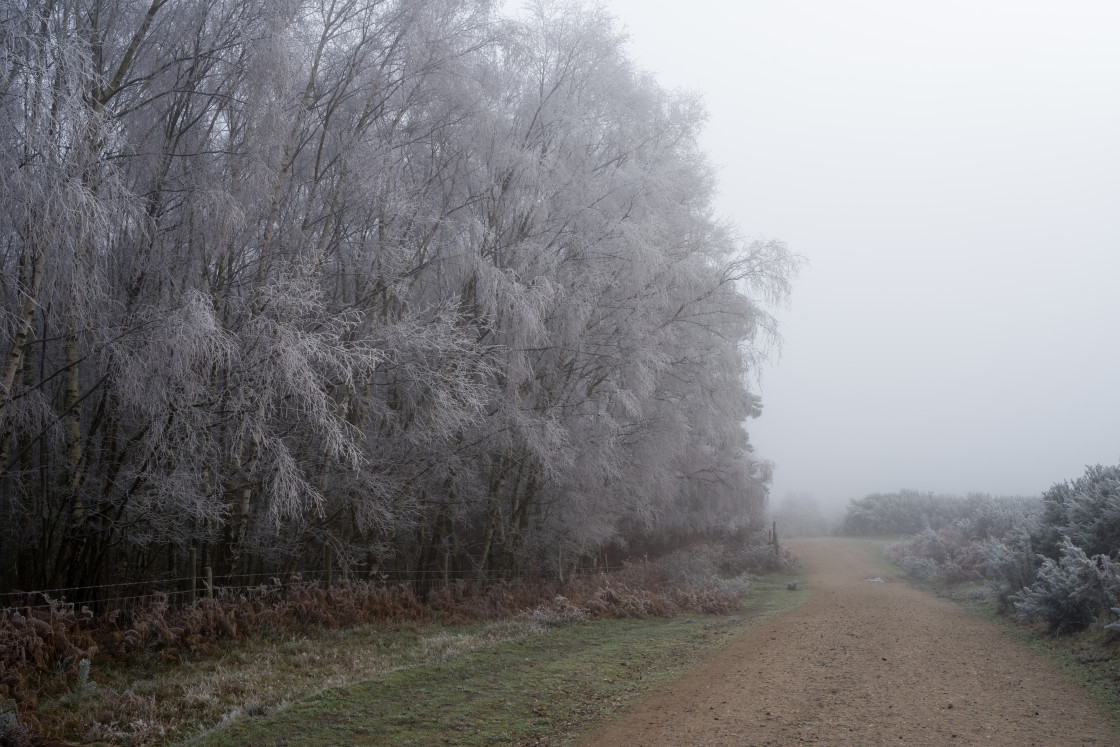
[867,663]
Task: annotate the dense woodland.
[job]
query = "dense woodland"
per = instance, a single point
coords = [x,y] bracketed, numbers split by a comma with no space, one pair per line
[392,286]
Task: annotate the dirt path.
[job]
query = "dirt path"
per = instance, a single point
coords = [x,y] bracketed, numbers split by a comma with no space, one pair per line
[867,663]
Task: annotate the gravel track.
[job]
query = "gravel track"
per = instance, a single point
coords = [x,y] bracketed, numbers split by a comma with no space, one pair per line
[867,663]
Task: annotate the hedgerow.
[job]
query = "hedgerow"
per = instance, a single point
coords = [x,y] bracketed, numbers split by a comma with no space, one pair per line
[1055,560]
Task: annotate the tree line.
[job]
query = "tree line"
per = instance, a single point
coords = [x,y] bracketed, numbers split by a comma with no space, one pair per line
[912,511]
[389,286]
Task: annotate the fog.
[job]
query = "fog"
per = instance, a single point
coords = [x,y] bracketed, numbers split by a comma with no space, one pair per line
[951,173]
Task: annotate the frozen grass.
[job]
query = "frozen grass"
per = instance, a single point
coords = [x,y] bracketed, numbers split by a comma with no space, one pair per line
[543,688]
[164,674]
[157,699]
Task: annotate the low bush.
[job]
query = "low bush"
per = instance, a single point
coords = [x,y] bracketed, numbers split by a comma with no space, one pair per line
[1010,565]
[950,554]
[1073,592]
[1086,510]
[943,555]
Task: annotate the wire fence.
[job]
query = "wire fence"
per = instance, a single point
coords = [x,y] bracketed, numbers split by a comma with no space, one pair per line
[185,589]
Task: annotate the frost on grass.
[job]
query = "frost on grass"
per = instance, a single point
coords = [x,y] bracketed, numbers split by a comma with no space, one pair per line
[557,613]
[444,647]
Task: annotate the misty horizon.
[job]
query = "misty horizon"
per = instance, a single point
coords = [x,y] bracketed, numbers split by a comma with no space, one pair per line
[950,175]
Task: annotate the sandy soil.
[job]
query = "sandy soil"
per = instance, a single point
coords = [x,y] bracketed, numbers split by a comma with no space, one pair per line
[867,663]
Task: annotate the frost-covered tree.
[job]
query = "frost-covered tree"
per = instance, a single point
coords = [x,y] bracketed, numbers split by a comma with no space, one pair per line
[397,285]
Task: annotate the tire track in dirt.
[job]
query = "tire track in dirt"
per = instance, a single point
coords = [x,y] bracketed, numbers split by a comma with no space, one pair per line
[867,663]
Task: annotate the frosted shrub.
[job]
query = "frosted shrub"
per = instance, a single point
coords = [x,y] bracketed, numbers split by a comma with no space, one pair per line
[916,565]
[1115,624]
[1073,592]
[1086,510]
[760,556]
[700,562]
[1010,564]
[914,554]
[1001,516]
[947,554]
[738,586]
[706,571]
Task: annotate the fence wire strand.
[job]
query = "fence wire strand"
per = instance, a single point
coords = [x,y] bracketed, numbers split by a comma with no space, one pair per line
[270,582]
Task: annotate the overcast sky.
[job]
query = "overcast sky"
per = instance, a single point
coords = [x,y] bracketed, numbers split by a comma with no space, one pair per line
[951,172]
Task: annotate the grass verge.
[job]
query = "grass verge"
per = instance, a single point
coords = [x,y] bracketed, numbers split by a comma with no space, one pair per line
[543,686]
[1090,658]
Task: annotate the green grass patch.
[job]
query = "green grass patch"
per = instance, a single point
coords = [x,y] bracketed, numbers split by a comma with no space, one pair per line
[543,688]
